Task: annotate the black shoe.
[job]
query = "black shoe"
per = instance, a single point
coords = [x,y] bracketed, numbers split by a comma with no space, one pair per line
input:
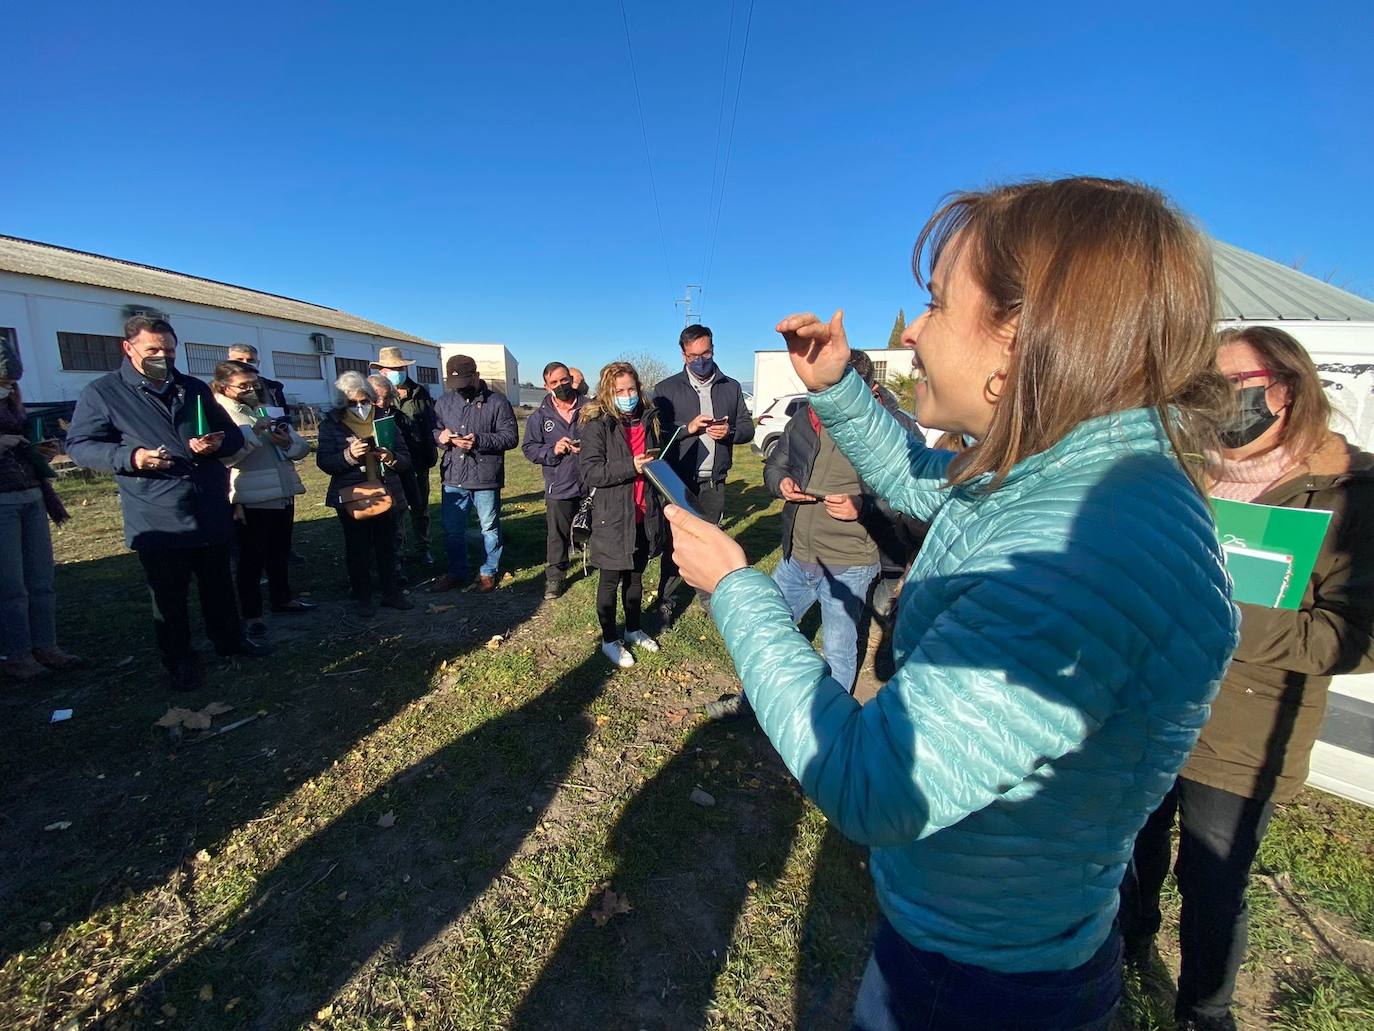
[666,614]
[295,606]
[552,590]
[397,601]
[186,676]
[727,708]
[257,628]
[249,649]
[1198,1023]
[1137,951]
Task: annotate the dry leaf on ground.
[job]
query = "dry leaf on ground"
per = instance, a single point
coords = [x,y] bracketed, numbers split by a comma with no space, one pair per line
[173,717]
[387,819]
[435,610]
[60,825]
[702,798]
[217,709]
[610,905]
[207,992]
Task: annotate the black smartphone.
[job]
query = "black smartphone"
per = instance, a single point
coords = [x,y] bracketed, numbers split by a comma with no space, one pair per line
[669,485]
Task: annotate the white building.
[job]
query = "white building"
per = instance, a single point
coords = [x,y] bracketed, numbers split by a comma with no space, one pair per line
[65,310]
[774,376]
[495,364]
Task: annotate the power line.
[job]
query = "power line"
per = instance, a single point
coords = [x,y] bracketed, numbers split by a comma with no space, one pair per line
[648,161]
[729,144]
[715,148]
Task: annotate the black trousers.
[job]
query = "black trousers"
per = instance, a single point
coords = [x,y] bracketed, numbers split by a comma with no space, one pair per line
[709,501]
[169,572]
[419,512]
[1219,835]
[264,539]
[364,540]
[630,583]
[558,515]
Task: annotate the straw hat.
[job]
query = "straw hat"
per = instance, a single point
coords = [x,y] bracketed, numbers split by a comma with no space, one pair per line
[390,358]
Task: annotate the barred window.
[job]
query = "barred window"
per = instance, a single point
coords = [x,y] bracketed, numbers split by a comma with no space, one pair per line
[201,359]
[880,372]
[89,352]
[426,374]
[342,365]
[287,365]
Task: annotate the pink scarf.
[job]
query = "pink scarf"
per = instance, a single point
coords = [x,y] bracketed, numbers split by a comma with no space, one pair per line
[1249,478]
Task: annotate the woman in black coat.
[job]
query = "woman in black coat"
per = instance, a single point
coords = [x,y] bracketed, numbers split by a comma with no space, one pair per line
[619,437]
[347,451]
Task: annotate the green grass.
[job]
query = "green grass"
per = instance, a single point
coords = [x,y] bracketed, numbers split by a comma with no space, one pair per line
[245,881]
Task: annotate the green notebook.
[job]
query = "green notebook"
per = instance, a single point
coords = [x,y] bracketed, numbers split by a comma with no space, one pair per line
[1270,551]
[384,430]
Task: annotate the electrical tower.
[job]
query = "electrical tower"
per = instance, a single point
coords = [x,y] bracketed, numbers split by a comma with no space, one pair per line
[690,305]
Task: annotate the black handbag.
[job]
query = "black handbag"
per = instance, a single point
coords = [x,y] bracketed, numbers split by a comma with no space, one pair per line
[582,521]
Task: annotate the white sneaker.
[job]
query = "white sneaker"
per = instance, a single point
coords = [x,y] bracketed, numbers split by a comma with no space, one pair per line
[640,639]
[618,654]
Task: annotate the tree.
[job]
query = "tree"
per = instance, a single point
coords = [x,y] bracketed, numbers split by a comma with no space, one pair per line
[652,370]
[894,339]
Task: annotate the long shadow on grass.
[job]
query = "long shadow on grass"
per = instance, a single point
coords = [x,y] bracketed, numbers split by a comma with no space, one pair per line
[355,887]
[688,872]
[142,805]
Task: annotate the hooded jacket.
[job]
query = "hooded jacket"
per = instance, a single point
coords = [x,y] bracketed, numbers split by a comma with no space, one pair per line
[1057,643]
[543,430]
[260,471]
[1269,712]
[608,468]
[185,506]
[490,416]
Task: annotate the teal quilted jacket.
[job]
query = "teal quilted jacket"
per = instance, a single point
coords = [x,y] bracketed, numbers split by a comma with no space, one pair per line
[1057,644]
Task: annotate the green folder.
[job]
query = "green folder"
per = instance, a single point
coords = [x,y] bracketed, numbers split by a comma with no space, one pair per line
[1270,551]
[202,425]
[384,430]
[36,434]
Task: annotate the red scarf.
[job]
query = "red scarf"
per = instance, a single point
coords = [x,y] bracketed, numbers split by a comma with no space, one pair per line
[636,436]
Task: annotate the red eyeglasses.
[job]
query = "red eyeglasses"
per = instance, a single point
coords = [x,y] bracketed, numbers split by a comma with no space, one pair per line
[1237,379]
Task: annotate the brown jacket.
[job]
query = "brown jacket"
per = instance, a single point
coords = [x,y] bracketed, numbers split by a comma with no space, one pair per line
[1269,711]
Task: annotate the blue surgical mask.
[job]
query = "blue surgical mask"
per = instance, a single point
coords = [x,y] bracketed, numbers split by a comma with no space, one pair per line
[626,404]
[702,368]
[396,376]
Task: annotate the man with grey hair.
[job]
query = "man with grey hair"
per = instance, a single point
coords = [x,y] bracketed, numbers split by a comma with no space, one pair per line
[273,393]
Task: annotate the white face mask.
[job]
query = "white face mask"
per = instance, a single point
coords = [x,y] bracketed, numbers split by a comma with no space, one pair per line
[5,393]
[363,410]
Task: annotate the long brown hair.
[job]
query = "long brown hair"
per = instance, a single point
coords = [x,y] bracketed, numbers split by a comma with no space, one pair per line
[1114,292]
[603,401]
[1309,409]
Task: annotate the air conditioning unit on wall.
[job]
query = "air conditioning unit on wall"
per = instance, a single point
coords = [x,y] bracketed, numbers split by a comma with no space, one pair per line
[324,344]
[130,310]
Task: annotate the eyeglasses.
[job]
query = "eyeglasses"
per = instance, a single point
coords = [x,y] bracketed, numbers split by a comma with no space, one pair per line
[1237,379]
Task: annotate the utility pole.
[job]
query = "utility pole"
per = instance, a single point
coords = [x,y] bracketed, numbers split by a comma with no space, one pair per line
[689,304]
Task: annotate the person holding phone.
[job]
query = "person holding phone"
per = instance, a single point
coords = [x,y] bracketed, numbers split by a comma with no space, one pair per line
[553,441]
[140,423]
[347,450]
[620,436]
[263,484]
[1049,684]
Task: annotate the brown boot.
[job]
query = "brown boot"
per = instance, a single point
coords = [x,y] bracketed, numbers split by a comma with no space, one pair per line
[483,585]
[444,583]
[56,658]
[23,667]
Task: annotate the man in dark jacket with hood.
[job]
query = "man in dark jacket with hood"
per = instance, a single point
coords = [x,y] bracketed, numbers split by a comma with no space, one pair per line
[552,441]
[475,427]
[162,435]
[414,402]
[709,408]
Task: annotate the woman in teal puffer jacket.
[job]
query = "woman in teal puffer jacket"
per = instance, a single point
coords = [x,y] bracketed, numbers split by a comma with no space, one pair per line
[1066,622]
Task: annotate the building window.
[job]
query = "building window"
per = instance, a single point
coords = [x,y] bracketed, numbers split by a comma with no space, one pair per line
[880,371]
[342,365]
[201,359]
[89,352]
[296,366]
[426,374]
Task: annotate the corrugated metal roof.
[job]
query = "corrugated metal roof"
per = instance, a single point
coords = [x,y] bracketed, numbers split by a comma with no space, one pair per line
[30,258]
[1253,288]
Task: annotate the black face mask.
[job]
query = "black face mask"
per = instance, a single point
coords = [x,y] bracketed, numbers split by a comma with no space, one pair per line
[157,368]
[251,398]
[565,393]
[468,393]
[1248,424]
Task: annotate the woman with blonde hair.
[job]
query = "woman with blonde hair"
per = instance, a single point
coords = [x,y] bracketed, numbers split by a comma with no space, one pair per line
[1062,629]
[620,436]
[1279,449]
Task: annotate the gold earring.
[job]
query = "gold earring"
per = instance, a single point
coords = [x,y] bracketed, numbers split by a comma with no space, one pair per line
[987,387]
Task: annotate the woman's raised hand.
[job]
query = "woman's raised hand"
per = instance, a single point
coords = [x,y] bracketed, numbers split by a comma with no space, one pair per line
[819,350]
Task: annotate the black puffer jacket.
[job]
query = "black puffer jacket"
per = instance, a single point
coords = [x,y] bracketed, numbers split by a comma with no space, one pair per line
[335,436]
[609,468]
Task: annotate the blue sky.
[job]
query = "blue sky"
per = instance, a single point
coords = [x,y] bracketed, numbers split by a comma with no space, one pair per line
[476,171]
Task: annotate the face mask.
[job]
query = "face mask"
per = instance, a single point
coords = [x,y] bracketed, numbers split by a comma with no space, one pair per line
[565,393]
[1249,424]
[362,411]
[5,393]
[157,368]
[251,398]
[702,367]
[626,404]
[468,392]
[396,376]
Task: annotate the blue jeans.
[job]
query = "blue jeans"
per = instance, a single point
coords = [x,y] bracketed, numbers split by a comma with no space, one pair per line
[842,592]
[28,611]
[909,989]
[453,509]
